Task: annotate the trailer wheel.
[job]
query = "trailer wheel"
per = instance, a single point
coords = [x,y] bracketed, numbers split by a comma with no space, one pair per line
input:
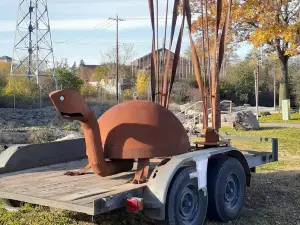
[226,189]
[186,205]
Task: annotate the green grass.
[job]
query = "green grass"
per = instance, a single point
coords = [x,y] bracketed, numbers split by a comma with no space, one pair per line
[30,215]
[277,118]
[274,196]
[289,142]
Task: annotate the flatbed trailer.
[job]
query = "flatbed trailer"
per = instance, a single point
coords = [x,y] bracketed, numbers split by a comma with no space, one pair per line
[177,177]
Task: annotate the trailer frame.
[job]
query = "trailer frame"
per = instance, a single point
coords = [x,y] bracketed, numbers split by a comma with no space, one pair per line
[153,193]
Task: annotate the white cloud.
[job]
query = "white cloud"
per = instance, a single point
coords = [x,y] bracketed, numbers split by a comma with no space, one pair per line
[6,41]
[7,25]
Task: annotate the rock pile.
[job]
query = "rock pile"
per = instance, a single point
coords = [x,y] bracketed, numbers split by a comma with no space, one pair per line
[243,120]
[36,117]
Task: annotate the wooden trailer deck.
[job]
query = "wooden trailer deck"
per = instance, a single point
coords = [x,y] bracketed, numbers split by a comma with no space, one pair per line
[89,193]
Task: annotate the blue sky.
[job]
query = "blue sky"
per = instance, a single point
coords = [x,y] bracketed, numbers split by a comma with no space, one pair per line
[73,29]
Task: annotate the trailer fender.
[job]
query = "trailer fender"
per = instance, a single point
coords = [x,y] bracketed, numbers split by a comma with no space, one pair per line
[239,156]
[201,174]
[156,191]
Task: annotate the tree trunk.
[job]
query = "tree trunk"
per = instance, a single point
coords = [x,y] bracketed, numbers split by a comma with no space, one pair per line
[284,80]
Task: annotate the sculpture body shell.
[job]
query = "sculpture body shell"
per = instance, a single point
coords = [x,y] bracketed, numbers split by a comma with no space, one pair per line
[141,129]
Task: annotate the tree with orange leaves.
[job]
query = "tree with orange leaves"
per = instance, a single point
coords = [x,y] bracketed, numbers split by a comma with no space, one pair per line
[273,23]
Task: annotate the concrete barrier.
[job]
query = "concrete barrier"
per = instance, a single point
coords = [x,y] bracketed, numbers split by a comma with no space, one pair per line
[22,157]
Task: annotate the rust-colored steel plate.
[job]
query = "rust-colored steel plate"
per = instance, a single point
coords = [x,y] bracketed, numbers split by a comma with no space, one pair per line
[141,129]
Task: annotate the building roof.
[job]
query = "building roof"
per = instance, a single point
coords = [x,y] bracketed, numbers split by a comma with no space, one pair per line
[89,66]
[149,54]
[7,58]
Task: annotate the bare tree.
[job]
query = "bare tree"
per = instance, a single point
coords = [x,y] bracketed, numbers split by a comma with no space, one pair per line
[126,56]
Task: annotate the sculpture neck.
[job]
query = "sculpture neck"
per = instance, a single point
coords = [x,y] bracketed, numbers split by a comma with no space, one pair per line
[95,151]
[93,141]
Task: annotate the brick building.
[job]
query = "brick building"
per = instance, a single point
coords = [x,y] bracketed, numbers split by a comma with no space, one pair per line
[184,69]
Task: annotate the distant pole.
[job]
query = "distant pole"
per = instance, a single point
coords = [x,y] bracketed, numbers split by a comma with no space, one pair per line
[117,60]
[189,66]
[37,73]
[117,56]
[274,91]
[40,93]
[186,68]
[256,74]
[14,99]
[158,56]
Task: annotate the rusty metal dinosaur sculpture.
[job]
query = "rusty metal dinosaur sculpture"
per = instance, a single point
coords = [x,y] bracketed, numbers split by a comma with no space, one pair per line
[130,130]
[141,129]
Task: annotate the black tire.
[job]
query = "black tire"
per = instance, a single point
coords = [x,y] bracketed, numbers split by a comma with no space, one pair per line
[226,185]
[186,205]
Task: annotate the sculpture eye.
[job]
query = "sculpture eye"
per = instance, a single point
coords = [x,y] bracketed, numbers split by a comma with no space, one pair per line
[62,98]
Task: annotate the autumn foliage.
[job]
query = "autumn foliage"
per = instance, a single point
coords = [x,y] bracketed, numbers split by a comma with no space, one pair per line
[275,25]
[142,83]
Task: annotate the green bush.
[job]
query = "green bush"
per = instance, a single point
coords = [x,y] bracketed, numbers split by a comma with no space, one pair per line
[88,90]
[128,94]
[239,87]
[67,79]
[68,127]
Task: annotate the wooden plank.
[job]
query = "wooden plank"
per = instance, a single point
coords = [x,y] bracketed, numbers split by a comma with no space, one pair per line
[49,187]
[66,181]
[82,194]
[115,190]
[70,164]
[47,190]
[55,178]
[71,190]
[40,173]
[39,183]
[47,202]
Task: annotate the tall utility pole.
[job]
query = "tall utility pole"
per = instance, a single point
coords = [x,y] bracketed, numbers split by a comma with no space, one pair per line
[256,79]
[158,57]
[117,19]
[33,52]
[274,83]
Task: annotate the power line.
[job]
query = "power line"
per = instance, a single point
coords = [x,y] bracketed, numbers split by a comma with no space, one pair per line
[142,18]
[100,27]
[91,33]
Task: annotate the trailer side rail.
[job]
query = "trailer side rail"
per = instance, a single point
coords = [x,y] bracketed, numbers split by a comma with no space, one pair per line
[274,142]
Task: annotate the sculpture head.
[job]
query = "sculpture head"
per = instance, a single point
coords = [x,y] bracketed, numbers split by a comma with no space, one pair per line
[70,105]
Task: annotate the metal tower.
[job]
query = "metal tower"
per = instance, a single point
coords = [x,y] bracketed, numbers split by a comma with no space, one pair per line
[33,51]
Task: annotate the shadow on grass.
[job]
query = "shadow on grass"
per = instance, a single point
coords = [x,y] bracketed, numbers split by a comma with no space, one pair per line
[271,128]
[295,119]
